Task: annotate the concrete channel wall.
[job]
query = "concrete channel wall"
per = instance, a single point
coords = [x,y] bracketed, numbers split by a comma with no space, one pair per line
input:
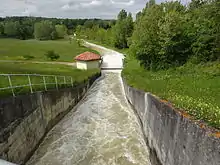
[173,138]
[25,119]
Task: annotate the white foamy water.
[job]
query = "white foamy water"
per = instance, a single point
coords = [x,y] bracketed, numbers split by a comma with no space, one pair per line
[101,130]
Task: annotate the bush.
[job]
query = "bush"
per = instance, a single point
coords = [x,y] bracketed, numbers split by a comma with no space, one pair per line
[52,55]
[80,42]
[28,57]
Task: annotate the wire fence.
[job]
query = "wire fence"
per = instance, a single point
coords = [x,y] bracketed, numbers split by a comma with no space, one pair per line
[15,81]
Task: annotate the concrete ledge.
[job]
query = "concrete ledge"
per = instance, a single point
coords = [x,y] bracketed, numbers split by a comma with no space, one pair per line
[173,138]
[25,119]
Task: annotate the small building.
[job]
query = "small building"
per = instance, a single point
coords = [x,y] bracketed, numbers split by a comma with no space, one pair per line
[88,60]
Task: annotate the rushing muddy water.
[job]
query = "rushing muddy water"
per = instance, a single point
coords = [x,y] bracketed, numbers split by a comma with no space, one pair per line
[101,130]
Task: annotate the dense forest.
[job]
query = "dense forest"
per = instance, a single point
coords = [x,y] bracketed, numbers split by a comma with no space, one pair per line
[46,28]
[165,35]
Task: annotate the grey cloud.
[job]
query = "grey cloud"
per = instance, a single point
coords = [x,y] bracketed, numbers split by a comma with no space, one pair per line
[70,8]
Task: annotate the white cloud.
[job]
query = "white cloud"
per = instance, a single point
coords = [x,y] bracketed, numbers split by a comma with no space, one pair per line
[70,8]
[128,3]
[92,3]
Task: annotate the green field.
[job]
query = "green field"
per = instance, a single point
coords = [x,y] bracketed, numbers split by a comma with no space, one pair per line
[44,69]
[194,88]
[13,49]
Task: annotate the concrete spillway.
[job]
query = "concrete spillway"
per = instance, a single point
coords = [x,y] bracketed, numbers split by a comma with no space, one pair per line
[102,130]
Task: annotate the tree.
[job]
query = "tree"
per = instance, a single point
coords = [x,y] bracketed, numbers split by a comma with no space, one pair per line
[203,28]
[150,3]
[145,39]
[138,15]
[130,25]
[52,55]
[61,31]
[11,29]
[1,29]
[174,42]
[123,29]
[196,4]
[122,15]
[89,24]
[44,30]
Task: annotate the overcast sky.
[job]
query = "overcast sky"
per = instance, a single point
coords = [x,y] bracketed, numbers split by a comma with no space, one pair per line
[70,8]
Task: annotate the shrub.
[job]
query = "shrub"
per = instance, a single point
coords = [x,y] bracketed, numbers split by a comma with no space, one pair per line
[28,57]
[52,55]
[80,43]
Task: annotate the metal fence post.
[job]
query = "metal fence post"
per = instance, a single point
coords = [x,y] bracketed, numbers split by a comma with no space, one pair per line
[72,81]
[29,79]
[12,90]
[56,82]
[45,84]
[64,79]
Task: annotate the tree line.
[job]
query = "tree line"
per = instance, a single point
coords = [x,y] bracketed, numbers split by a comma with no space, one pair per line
[166,35]
[46,28]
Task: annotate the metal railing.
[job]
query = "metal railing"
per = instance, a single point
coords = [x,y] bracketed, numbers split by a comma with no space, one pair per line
[56,80]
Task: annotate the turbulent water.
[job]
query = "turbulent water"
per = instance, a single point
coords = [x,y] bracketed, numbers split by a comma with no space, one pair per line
[101,130]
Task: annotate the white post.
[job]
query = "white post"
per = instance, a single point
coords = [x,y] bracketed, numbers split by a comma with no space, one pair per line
[12,90]
[45,84]
[72,81]
[56,82]
[29,79]
[64,79]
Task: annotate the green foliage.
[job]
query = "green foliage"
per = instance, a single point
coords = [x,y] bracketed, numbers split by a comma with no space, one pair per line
[174,43]
[122,15]
[145,39]
[204,30]
[169,34]
[80,42]
[52,55]
[25,30]
[28,57]
[196,4]
[123,30]
[96,34]
[61,31]
[11,29]
[1,29]
[44,30]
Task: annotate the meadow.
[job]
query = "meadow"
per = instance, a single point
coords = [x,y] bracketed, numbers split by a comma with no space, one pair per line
[22,50]
[194,89]
[34,50]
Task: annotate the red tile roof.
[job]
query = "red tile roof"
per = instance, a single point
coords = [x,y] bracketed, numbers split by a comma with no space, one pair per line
[88,56]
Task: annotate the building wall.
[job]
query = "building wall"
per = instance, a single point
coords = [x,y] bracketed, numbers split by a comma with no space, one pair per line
[87,64]
[25,119]
[81,65]
[92,64]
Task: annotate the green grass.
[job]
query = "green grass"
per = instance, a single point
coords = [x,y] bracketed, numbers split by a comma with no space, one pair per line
[44,69]
[194,88]
[13,49]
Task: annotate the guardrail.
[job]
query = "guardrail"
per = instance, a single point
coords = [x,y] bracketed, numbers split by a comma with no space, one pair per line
[56,80]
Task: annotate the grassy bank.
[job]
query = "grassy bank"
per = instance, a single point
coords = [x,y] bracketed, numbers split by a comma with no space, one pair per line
[194,88]
[13,49]
[44,69]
